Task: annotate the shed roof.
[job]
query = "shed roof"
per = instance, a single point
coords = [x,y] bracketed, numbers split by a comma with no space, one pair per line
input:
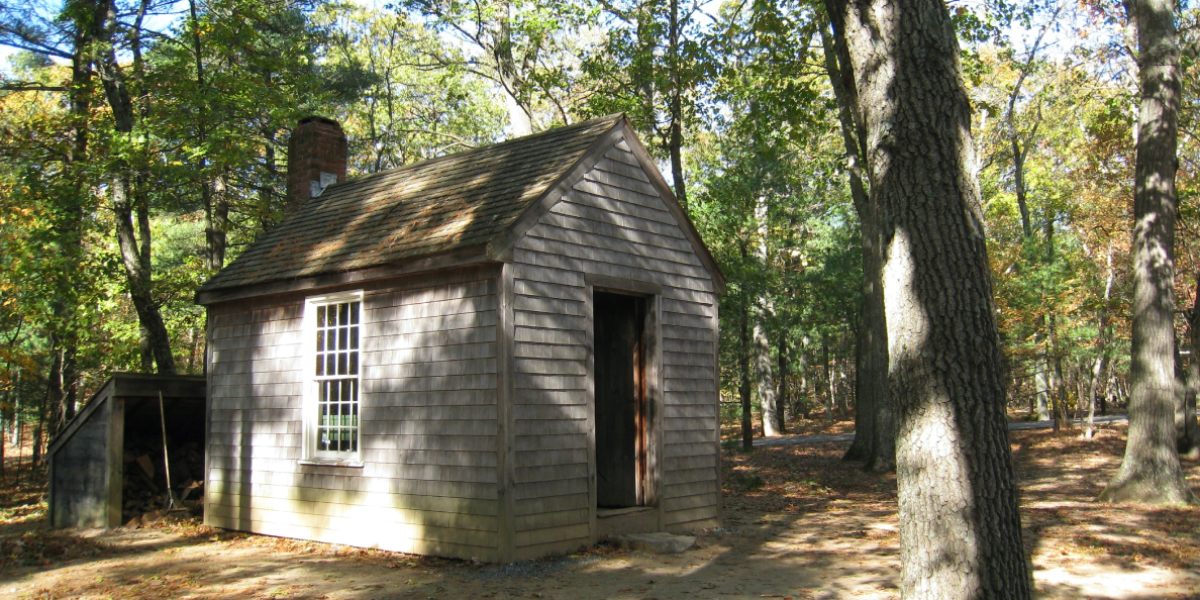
[432,208]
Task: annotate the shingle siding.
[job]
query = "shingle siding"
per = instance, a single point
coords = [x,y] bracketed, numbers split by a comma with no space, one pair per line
[428,480]
[612,223]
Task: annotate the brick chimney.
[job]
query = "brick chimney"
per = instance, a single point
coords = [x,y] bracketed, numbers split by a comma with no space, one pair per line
[316,159]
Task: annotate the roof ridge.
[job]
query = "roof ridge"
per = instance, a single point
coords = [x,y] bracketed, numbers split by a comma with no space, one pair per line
[553,131]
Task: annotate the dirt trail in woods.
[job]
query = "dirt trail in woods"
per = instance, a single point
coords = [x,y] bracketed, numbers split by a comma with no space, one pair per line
[797,523]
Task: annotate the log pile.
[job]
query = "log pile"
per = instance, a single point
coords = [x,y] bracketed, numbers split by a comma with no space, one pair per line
[145,488]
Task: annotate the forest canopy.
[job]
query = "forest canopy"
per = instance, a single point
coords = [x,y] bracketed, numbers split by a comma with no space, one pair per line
[144,147]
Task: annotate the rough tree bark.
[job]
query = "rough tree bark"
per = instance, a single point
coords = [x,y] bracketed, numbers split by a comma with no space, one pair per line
[874,423]
[763,366]
[1150,471]
[1100,366]
[128,197]
[960,532]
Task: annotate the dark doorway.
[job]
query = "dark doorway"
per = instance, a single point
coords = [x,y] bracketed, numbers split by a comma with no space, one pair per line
[621,414]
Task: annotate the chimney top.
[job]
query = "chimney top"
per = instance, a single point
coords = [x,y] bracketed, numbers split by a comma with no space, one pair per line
[316,159]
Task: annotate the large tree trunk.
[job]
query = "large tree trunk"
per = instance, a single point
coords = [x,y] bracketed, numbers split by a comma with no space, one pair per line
[763,365]
[960,532]
[874,426]
[128,197]
[1150,471]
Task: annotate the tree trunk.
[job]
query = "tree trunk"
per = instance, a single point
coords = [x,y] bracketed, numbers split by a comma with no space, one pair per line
[960,532]
[764,369]
[1187,430]
[783,396]
[675,106]
[1150,471]
[874,427]
[744,377]
[127,197]
[1100,366]
[829,385]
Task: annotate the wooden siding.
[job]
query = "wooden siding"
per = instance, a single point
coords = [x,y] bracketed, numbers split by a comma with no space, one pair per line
[79,476]
[614,224]
[428,479]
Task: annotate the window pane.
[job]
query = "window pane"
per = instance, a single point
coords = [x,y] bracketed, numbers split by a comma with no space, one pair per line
[337,366]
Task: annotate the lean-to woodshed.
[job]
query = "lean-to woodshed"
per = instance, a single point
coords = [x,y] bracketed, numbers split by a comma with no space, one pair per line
[496,355]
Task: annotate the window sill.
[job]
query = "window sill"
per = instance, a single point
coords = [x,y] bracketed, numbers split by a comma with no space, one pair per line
[331,462]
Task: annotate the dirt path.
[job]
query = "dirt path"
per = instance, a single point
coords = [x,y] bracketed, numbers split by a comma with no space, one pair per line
[798,523]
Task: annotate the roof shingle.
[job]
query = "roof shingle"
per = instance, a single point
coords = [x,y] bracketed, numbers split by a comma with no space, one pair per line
[419,210]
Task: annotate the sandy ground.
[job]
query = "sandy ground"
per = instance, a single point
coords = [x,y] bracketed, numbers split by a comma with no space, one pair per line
[798,523]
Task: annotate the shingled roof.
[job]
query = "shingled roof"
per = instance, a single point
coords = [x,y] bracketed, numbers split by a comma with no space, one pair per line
[429,208]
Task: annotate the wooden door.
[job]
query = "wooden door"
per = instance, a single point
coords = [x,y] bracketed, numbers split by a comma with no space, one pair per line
[620,400]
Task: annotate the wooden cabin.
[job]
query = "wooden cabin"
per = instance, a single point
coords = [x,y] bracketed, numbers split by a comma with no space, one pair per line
[495,355]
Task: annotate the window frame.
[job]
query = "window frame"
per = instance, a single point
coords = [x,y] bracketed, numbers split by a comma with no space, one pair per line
[311,406]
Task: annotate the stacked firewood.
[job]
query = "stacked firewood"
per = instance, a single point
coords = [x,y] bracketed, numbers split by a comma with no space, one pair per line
[145,487]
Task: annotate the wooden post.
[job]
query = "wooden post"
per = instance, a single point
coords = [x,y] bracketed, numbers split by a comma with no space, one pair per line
[115,469]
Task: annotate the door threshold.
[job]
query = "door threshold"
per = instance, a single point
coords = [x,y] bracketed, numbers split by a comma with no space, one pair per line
[616,512]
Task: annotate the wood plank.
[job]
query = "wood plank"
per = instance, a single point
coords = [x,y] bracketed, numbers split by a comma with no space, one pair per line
[690,385]
[542,274]
[550,382]
[551,427]
[678,474]
[557,351]
[577,208]
[433,412]
[534,335]
[378,508]
[527,303]
[471,334]
[551,520]
[552,412]
[554,398]
[443,427]
[533,506]
[550,366]
[366,497]
[360,533]
[571,226]
[445,368]
[542,443]
[485,381]
[553,535]
[585,265]
[543,289]
[413,487]
[550,473]
[484,318]
[618,252]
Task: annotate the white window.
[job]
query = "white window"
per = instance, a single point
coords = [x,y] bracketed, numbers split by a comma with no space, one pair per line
[332,409]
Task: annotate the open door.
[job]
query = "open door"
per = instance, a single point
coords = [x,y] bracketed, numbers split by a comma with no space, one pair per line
[621,411]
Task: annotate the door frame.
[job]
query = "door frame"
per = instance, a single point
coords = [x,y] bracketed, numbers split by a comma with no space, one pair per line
[651,295]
